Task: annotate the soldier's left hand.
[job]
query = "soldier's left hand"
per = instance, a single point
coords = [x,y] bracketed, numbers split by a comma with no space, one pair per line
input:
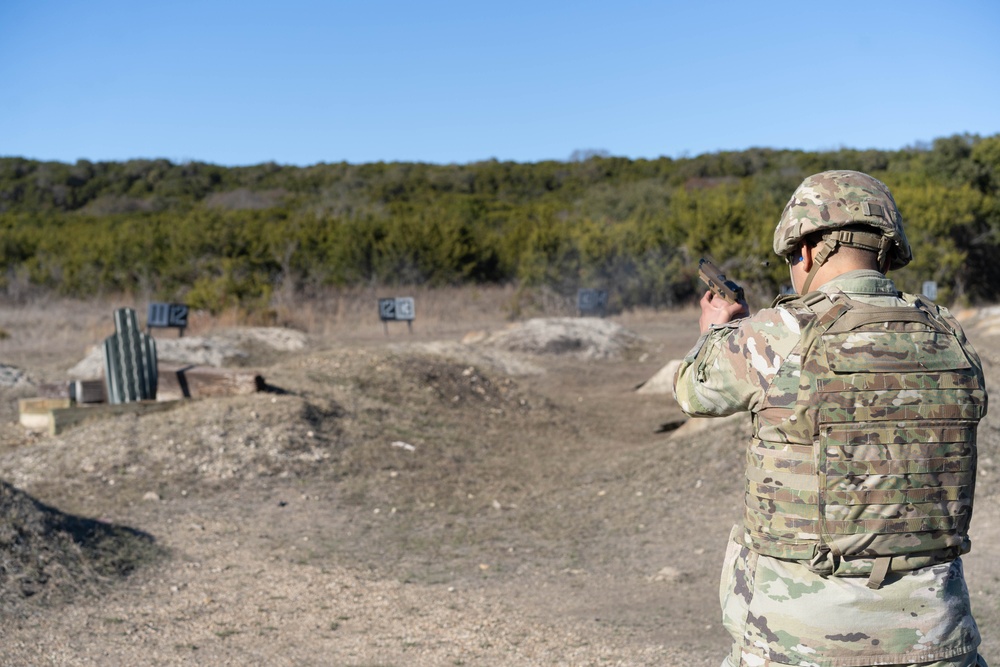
[716,310]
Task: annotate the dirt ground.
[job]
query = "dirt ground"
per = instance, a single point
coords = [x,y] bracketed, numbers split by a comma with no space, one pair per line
[403,499]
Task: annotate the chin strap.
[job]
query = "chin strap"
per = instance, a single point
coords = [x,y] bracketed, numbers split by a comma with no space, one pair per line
[864,240]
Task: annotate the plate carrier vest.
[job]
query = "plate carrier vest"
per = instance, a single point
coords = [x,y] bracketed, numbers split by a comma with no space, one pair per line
[872,465]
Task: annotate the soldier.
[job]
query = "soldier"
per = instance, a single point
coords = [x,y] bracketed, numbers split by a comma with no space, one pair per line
[861,470]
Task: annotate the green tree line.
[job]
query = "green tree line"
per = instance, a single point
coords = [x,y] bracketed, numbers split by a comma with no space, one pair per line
[219,237]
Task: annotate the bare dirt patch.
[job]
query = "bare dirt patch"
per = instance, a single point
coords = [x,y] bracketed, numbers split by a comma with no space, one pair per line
[404,500]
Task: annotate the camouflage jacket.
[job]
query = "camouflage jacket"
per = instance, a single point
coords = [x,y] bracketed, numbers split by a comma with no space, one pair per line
[780,610]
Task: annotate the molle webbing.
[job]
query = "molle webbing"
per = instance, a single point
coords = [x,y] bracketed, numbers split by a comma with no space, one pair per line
[879,454]
[851,320]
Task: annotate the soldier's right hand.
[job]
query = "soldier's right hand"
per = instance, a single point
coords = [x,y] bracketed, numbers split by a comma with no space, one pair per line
[716,310]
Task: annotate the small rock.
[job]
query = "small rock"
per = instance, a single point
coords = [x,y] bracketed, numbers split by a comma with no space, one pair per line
[474,337]
[151,496]
[11,376]
[668,573]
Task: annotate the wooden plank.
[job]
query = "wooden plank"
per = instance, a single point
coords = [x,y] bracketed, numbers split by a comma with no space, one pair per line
[34,413]
[176,382]
[54,389]
[88,391]
[61,419]
[41,405]
[81,391]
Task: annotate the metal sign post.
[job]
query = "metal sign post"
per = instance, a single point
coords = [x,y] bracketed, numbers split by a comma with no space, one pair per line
[400,309]
[930,289]
[591,302]
[167,315]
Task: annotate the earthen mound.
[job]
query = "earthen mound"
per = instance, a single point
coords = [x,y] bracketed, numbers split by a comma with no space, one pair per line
[50,556]
[662,381]
[231,347]
[584,337]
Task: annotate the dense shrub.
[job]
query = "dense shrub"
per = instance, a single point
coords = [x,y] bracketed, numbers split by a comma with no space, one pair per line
[219,237]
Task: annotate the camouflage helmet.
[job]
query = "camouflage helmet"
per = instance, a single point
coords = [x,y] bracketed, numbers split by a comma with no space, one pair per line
[835,199]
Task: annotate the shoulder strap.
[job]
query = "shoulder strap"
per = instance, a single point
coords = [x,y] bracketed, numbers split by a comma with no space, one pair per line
[933,312]
[808,301]
[822,311]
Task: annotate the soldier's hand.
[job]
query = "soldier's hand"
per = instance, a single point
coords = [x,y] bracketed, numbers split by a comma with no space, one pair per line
[716,310]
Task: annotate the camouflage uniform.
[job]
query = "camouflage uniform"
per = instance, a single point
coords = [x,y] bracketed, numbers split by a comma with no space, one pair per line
[784,611]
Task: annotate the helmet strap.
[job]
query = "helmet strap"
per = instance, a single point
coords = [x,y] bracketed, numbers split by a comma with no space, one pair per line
[819,259]
[884,259]
[854,239]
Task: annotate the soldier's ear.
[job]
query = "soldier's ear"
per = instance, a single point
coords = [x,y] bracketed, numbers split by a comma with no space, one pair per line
[806,257]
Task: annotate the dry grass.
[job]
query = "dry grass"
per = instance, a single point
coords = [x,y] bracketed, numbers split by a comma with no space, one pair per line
[344,310]
[46,332]
[59,322]
[54,326]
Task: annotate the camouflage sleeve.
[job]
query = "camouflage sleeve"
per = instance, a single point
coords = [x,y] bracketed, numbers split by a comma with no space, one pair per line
[731,367]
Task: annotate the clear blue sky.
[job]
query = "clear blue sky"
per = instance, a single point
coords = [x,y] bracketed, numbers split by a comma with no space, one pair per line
[301,82]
